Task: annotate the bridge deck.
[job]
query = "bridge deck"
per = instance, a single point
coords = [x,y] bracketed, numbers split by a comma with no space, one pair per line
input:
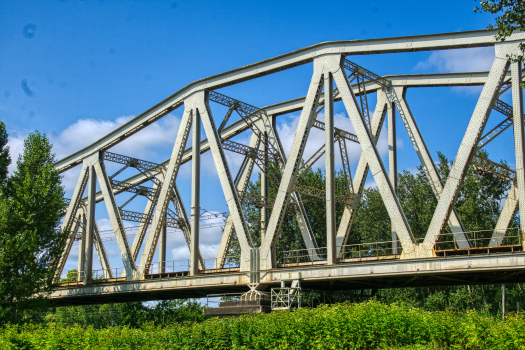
[477,268]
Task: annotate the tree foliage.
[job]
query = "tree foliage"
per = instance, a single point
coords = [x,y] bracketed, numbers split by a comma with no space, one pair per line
[31,205]
[511,17]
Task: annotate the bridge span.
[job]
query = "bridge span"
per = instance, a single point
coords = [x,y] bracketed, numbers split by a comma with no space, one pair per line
[447,255]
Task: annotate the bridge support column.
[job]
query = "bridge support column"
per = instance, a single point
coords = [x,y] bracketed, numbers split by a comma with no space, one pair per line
[264,185]
[519,141]
[162,251]
[81,247]
[331,256]
[195,192]
[92,193]
[392,163]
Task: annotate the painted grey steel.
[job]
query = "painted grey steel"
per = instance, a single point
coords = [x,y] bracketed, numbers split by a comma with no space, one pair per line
[114,217]
[505,217]
[268,125]
[478,38]
[70,216]
[81,247]
[397,96]
[162,250]
[200,100]
[361,173]
[184,222]
[101,253]
[367,273]
[165,192]
[392,161]
[422,80]
[242,185]
[195,191]
[144,224]
[331,254]
[329,60]
[373,158]
[291,168]
[467,149]
[88,250]
[264,184]
[519,138]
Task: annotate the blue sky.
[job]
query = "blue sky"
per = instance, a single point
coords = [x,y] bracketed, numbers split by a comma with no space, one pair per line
[77,69]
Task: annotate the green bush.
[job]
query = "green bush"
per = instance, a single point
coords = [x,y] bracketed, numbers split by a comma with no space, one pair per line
[370,325]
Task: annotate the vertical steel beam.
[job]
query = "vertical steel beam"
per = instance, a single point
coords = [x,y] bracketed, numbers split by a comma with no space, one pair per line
[373,158]
[467,149]
[392,162]
[201,100]
[162,251]
[115,218]
[397,95]
[264,185]
[331,256]
[184,221]
[92,194]
[292,166]
[101,253]
[242,186]
[195,192]
[505,217]
[144,224]
[519,140]
[81,247]
[165,192]
[361,173]
[268,123]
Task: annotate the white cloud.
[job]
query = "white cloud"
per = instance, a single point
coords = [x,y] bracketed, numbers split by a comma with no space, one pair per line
[147,143]
[459,60]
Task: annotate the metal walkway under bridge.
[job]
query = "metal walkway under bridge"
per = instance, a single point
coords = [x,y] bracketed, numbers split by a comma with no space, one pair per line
[447,255]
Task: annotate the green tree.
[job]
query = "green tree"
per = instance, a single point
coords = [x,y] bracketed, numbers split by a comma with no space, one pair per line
[5,159]
[511,17]
[30,245]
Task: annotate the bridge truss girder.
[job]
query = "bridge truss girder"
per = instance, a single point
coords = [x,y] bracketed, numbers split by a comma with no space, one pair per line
[330,68]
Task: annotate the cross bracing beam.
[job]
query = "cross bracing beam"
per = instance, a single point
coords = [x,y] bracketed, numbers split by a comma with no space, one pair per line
[306,55]
[143,165]
[337,132]
[507,111]
[420,80]
[487,166]
[366,74]
[236,147]
[144,218]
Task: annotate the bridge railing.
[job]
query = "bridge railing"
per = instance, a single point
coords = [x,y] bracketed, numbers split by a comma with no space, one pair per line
[481,239]
[370,250]
[301,256]
[230,262]
[169,266]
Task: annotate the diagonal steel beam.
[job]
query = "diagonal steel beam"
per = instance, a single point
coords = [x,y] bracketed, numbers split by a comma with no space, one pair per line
[291,169]
[115,218]
[166,191]
[200,99]
[396,96]
[467,148]
[373,158]
[70,218]
[361,173]
[242,185]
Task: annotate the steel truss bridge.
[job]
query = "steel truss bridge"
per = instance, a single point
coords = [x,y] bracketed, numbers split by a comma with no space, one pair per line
[445,258]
